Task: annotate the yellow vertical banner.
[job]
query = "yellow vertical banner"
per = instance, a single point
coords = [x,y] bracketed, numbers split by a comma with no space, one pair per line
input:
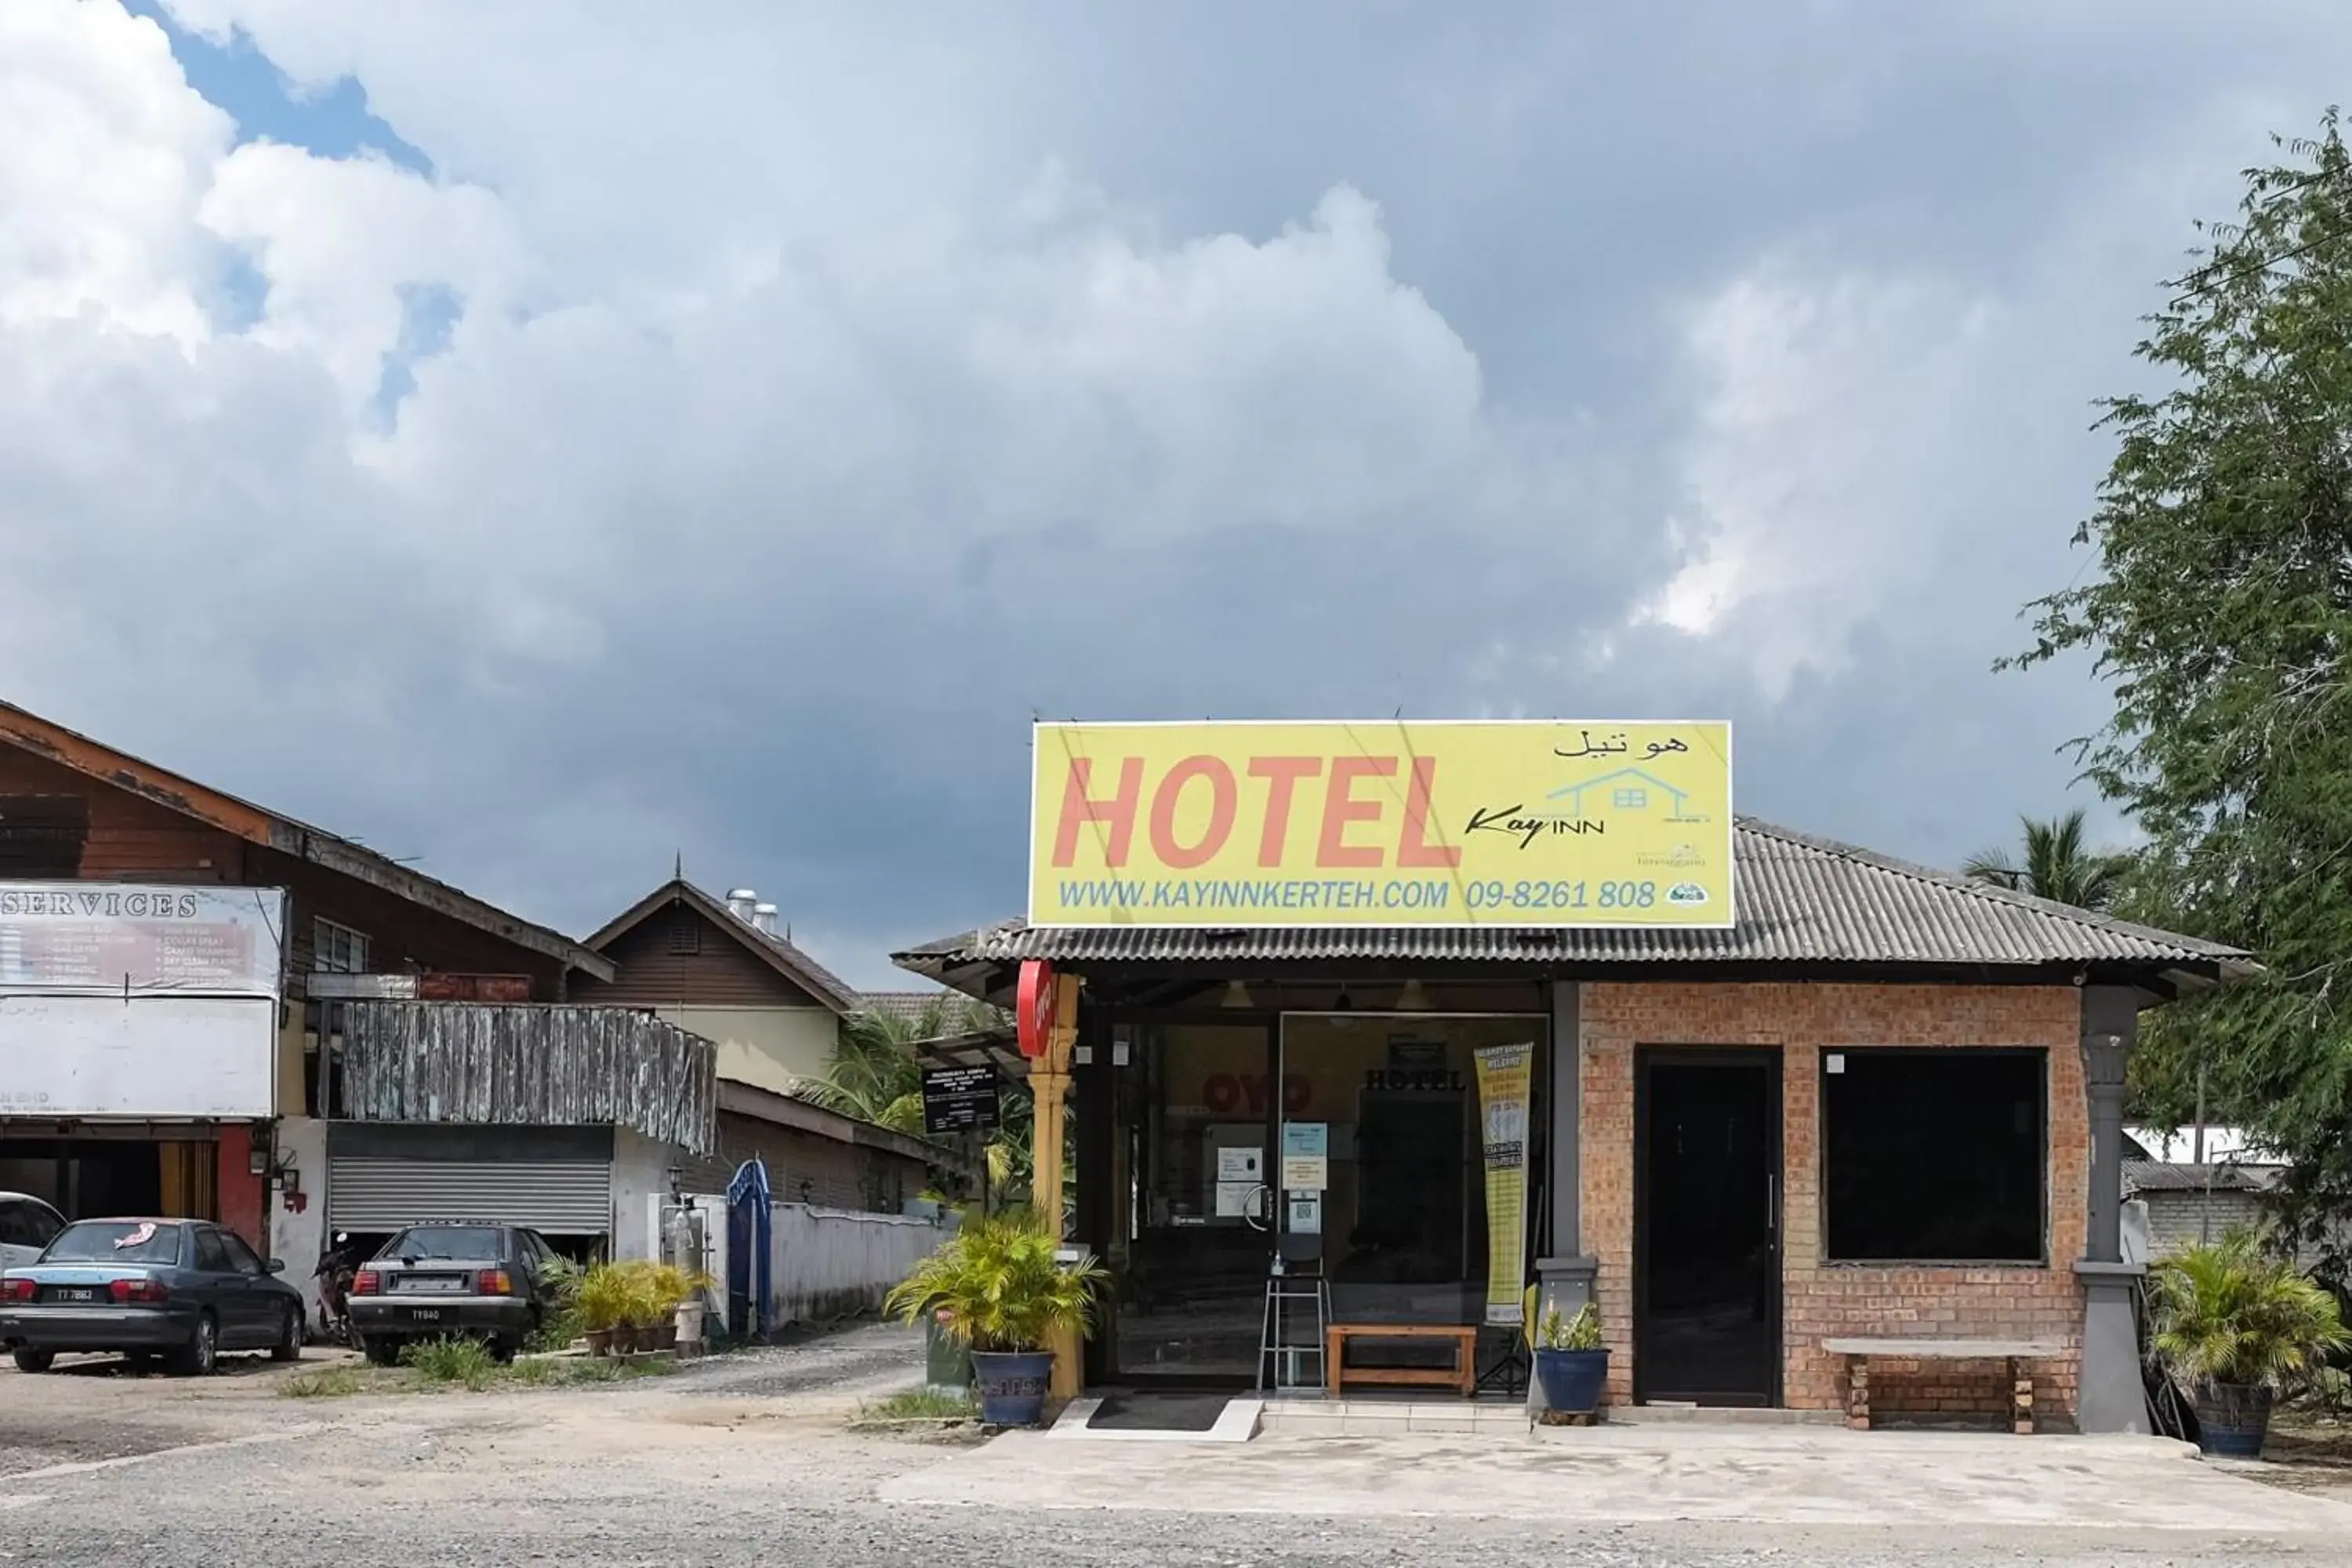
[1505,1077]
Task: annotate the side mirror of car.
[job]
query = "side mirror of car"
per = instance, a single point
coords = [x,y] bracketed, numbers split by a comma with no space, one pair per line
[275,1265]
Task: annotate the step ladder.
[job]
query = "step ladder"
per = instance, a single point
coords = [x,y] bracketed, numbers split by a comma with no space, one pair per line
[1294,1282]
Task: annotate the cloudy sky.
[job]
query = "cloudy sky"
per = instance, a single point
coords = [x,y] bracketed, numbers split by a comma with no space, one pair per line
[541,437]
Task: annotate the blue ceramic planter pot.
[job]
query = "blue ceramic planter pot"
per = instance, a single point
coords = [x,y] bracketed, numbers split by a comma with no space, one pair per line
[1572,1380]
[1012,1385]
[2232,1421]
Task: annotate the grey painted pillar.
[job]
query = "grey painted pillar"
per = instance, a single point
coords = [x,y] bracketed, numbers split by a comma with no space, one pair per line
[1566,1271]
[2111,1398]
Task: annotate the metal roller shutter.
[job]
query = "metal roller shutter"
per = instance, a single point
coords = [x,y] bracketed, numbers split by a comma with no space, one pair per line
[570,1197]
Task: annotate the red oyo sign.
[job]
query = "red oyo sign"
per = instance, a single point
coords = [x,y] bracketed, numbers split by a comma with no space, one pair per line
[1035,1010]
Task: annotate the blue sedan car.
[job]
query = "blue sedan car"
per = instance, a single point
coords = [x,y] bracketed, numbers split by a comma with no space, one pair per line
[185,1289]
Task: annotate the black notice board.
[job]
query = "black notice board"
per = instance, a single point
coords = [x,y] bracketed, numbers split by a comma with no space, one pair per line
[960,1099]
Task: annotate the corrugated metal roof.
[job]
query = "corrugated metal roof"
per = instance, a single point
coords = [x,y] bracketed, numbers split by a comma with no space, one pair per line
[1800,899]
[2153,1176]
[947,1012]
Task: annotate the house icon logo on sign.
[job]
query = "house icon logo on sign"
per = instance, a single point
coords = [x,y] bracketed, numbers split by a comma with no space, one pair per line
[1626,792]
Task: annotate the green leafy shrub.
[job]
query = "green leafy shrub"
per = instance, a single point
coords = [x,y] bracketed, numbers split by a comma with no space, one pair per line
[997,1286]
[2235,1314]
[562,1322]
[1555,1330]
[603,1298]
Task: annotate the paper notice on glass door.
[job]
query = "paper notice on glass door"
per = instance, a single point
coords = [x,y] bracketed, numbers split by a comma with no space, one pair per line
[1506,1081]
[1236,1200]
[1306,1155]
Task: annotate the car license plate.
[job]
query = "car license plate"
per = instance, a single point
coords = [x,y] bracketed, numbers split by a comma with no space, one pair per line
[76,1293]
[424,1314]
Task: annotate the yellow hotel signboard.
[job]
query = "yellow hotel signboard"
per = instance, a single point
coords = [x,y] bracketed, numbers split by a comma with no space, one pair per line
[1384,822]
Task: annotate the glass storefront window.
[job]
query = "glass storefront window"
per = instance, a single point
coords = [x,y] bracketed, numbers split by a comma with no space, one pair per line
[1403,1220]
[1357,1136]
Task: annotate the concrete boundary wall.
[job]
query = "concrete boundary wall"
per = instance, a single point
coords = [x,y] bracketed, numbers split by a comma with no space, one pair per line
[832,1263]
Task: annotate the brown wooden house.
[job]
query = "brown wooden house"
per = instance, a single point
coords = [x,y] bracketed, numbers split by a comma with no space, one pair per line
[721,969]
[75,811]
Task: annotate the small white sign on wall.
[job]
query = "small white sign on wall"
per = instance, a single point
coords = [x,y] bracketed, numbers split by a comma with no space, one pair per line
[1837,1062]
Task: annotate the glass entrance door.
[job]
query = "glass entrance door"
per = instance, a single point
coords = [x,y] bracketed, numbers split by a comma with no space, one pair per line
[1197,1104]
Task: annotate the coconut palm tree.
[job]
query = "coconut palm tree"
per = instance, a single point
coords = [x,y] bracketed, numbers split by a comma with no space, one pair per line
[2057,866]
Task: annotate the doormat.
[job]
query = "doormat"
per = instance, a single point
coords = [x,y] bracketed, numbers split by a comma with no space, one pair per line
[1159,1412]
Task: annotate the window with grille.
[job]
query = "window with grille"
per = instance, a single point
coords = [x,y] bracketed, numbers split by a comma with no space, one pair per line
[1629,799]
[686,936]
[337,949]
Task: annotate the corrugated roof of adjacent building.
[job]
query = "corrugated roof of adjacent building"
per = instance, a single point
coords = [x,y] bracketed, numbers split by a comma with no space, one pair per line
[1799,899]
[953,1009]
[2156,1176]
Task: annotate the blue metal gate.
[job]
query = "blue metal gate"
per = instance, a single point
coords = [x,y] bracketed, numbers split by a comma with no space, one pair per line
[750,1291]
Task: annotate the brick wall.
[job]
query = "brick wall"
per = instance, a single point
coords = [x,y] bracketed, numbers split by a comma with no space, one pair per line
[2178,1219]
[1821,1300]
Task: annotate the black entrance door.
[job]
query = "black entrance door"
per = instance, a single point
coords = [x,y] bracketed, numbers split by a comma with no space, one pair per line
[1707,1202]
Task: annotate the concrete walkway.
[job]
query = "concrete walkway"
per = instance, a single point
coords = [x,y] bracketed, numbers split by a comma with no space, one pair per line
[1628,1475]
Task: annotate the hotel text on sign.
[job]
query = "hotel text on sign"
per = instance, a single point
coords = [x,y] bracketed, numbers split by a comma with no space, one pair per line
[1385,823]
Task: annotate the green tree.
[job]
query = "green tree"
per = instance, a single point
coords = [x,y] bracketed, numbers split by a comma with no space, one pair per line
[2222,616]
[2057,866]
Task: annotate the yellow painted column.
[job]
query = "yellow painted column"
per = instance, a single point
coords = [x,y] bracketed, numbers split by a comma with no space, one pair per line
[1049,1088]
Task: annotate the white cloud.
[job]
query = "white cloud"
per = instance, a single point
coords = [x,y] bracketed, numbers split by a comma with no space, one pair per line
[1826,430]
[824,391]
[337,242]
[746,428]
[104,155]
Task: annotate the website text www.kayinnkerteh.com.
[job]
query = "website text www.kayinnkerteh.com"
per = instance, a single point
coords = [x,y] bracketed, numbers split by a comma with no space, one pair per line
[1133,895]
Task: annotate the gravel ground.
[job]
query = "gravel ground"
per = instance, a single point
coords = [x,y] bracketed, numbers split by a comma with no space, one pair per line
[740,1460]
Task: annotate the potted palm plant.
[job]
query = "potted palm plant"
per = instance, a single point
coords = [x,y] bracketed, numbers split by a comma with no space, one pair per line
[1571,1363]
[646,1310]
[1005,1293]
[604,1301]
[2233,1320]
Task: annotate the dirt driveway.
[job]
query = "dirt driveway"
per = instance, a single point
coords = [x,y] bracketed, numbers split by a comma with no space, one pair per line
[103,1407]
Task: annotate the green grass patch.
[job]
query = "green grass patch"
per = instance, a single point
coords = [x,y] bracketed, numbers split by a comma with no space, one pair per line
[573,1371]
[333,1383]
[438,1366]
[918,1408]
[458,1361]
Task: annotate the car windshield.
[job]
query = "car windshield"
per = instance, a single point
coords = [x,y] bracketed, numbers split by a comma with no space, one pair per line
[115,1241]
[429,1241]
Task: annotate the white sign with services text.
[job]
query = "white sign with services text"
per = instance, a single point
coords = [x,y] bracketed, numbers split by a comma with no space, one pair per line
[124,939]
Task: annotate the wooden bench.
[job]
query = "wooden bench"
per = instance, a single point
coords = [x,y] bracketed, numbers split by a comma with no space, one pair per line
[2021,1355]
[1461,1376]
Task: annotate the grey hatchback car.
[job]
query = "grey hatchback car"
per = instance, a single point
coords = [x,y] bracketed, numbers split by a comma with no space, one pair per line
[185,1289]
[490,1282]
